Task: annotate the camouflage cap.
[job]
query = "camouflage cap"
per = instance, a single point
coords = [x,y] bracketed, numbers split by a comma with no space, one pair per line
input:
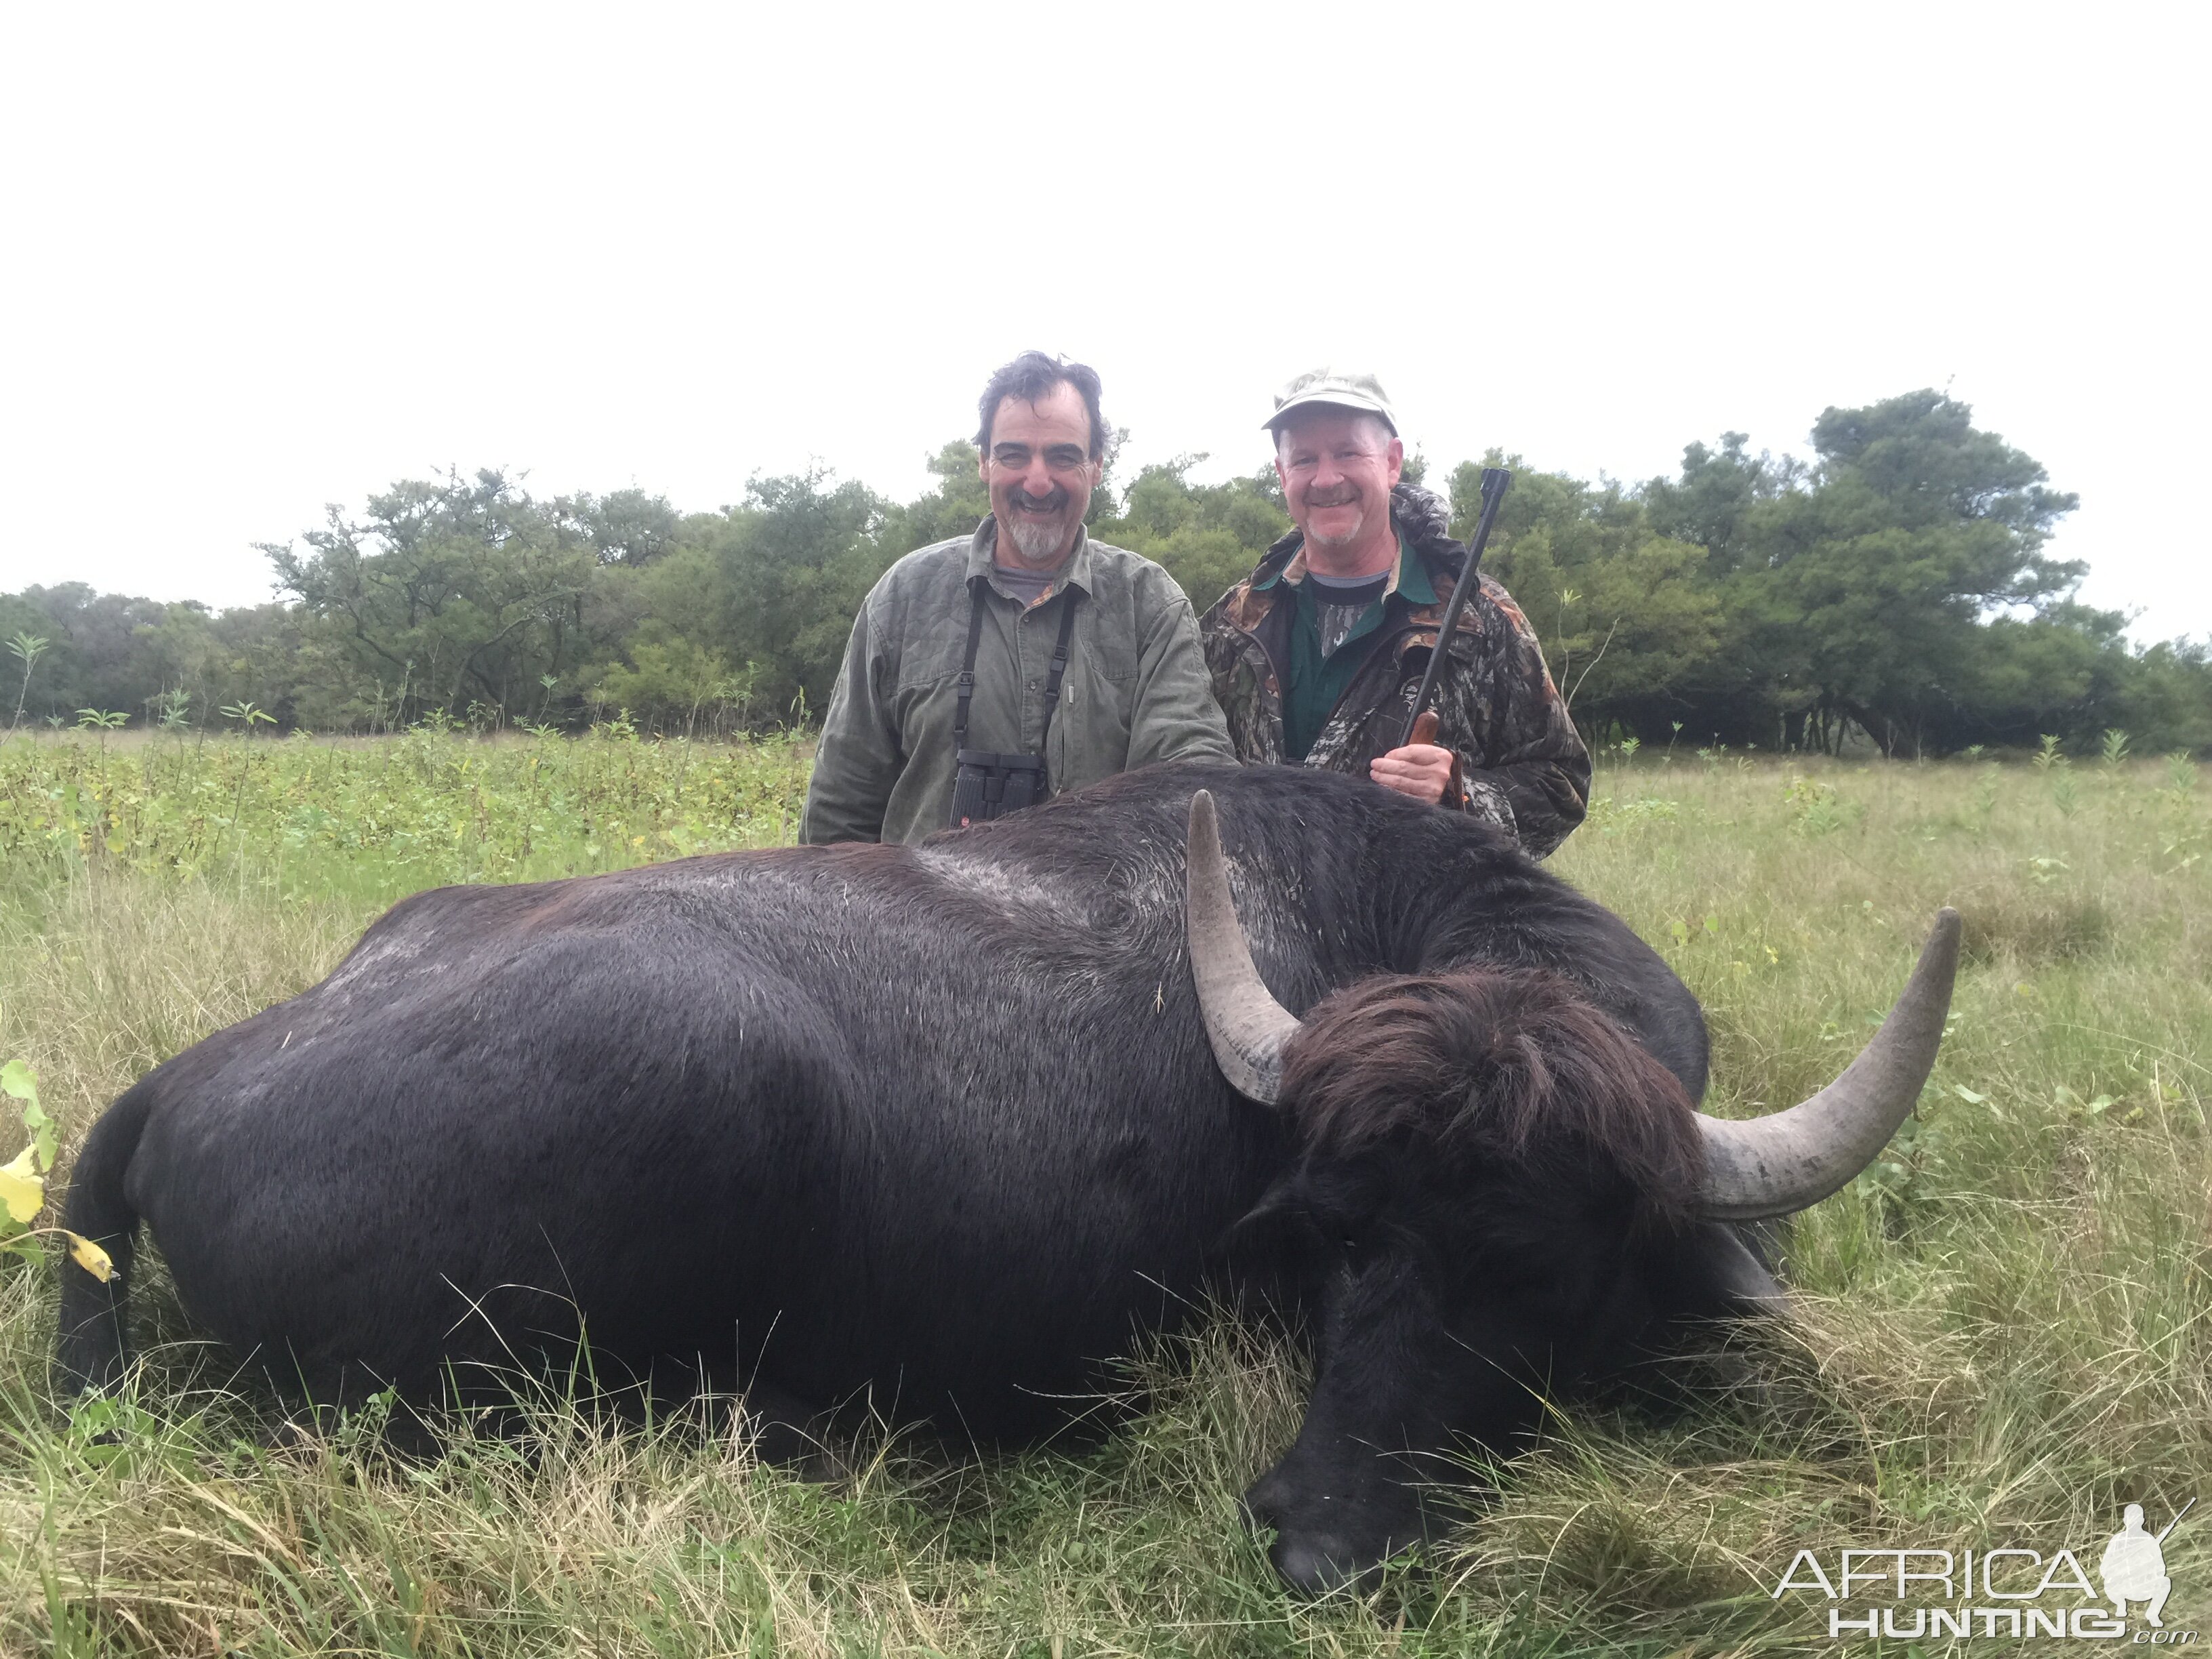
[1342,388]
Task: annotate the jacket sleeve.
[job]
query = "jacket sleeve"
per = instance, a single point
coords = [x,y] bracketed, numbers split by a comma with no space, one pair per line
[1532,775]
[859,759]
[1175,716]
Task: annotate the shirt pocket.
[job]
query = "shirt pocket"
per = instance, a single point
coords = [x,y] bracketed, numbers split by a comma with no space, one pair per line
[1089,736]
[930,662]
[1108,642]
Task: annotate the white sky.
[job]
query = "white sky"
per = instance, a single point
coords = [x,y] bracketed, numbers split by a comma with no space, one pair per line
[256,260]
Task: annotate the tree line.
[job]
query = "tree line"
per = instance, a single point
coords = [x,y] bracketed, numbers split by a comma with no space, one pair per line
[1894,590]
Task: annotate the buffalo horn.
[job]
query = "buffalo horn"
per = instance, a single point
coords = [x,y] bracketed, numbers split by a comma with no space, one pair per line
[1775,1165]
[1246,1026]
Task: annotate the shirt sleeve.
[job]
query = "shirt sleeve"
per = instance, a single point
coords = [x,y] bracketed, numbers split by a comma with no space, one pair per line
[1176,717]
[858,761]
[1534,774]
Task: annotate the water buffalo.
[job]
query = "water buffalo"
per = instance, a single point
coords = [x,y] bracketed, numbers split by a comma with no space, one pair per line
[954,1125]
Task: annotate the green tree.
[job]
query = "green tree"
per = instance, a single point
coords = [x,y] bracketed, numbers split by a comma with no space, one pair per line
[959,502]
[450,592]
[1898,585]
[1715,494]
[627,526]
[1207,537]
[1863,595]
[1632,627]
[759,599]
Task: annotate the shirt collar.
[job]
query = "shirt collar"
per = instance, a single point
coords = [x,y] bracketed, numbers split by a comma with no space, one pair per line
[1412,577]
[1408,576]
[1077,571]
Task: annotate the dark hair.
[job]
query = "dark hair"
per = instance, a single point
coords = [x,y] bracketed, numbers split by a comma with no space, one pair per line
[1031,376]
[1509,1069]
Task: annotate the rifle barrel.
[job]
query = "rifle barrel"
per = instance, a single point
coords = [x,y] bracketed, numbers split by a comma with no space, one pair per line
[2176,1522]
[1496,480]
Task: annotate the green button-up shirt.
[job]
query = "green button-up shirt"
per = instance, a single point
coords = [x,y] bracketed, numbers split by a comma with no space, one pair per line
[1136,690]
[1317,682]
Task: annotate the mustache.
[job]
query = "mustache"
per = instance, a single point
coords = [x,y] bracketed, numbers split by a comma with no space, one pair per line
[1051,502]
[1338,497]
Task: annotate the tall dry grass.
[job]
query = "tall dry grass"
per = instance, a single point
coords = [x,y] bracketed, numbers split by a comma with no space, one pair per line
[1999,1334]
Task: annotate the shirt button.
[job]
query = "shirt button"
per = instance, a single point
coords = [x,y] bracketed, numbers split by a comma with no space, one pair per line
[1032,685]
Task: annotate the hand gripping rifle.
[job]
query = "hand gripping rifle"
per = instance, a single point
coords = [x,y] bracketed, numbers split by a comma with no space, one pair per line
[1496,480]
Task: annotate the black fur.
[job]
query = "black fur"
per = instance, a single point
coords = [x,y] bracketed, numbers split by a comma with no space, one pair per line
[938,1124]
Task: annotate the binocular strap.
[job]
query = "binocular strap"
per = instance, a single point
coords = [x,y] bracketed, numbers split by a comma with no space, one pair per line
[961,754]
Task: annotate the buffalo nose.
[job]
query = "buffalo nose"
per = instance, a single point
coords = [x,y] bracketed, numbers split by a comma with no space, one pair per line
[1311,1563]
[1313,1566]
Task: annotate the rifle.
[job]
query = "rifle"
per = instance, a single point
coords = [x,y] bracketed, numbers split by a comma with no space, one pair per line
[2176,1522]
[1496,480]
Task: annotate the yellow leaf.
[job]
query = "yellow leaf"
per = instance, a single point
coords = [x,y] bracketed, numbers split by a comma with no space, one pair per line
[90,1257]
[22,1189]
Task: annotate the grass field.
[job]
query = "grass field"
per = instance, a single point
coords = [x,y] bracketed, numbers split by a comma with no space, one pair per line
[2001,1335]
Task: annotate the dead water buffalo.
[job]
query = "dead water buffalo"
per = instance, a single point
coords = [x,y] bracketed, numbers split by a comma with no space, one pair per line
[955,1124]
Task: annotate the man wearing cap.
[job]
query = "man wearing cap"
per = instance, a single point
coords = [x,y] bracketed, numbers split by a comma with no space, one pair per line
[992,671]
[1317,656]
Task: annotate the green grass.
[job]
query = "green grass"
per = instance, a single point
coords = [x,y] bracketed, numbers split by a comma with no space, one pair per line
[2001,1335]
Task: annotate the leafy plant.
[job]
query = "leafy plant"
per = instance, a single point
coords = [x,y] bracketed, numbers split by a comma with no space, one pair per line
[26,648]
[23,1183]
[2051,761]
[1819,811]
[2183,839]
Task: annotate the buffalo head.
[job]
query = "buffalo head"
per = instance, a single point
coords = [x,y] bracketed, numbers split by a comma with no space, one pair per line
[1496,1190]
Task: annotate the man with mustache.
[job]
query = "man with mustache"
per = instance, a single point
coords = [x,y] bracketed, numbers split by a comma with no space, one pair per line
[1316,657]
[992,671]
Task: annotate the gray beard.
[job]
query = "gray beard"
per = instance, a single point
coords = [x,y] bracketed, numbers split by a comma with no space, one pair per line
[1348,539]
[1040,544]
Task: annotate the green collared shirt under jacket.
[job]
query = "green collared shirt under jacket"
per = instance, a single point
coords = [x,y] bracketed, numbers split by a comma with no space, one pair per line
[1136,689]
[1521,763]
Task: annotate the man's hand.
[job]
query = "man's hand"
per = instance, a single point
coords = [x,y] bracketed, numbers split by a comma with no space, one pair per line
[1420,769]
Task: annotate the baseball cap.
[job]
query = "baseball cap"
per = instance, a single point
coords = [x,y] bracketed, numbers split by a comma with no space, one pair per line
[1344,388]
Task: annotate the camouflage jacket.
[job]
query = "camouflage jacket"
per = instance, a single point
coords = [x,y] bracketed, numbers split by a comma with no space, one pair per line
[1520,766]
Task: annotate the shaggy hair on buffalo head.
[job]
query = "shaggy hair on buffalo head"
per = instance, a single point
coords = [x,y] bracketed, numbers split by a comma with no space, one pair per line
[1493,1074]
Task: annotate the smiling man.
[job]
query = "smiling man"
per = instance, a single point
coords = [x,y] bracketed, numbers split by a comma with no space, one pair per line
[991,671]
[1316,657]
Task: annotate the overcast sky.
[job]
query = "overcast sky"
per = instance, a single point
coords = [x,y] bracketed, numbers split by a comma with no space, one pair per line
[256,261]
